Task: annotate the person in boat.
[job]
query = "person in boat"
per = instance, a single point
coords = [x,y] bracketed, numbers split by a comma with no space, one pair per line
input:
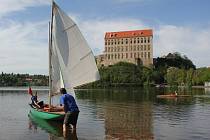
[35,103]
[68,103]
[175,93]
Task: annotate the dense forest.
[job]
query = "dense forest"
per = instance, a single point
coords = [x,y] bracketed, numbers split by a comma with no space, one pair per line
[172,69]
[23,80]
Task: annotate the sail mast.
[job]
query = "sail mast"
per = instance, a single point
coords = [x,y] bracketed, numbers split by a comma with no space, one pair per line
[50,55]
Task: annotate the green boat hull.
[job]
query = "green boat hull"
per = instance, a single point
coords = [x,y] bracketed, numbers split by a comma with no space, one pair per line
[46,115]
[52,127]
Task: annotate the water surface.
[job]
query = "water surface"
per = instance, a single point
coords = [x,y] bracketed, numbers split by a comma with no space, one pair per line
[132,113]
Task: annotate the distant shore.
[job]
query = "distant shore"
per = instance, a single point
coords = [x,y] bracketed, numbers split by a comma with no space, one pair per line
[46,88]
[191,87]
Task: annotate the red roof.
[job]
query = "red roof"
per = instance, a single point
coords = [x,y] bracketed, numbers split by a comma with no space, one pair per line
[127,34]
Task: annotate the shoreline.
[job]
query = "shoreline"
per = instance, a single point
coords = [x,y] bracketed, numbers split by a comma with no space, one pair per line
[46,88]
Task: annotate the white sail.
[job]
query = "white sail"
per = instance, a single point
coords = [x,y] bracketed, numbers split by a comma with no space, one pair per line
[55,75]
[76,61]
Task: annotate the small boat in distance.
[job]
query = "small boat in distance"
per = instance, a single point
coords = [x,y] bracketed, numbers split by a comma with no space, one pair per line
[71,62]
[172,95]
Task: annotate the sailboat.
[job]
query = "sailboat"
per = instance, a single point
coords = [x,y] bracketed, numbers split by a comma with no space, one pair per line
[71,61]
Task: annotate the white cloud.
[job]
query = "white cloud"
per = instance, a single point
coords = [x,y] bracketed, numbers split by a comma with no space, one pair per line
[193,42]
[24,47]
[189,41]
[94,30]
[8,6]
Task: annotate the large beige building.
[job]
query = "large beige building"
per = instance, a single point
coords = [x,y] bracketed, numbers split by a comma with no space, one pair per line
[129,46]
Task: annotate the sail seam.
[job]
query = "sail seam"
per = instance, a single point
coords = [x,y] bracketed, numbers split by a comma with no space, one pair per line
[82,75]
[69,27]
[81,60]
[85,55]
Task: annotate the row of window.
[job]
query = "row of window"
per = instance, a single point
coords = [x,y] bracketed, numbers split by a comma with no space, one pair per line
[127,55]
[127,41]
[126,48]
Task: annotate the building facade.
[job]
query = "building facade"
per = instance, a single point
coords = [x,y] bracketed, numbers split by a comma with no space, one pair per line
[128,46]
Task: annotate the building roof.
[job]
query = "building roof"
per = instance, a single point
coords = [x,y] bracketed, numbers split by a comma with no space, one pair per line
[128,34]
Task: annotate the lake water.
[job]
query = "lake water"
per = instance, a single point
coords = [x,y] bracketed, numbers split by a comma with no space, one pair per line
[132,113]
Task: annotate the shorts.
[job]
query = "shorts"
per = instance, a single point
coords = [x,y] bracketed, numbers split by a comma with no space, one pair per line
[41,104]
[71,118]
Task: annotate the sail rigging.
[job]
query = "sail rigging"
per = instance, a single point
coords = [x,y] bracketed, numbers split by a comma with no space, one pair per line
[72,61]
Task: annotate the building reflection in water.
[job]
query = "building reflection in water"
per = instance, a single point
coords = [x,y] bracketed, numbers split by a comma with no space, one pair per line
[129,122]
[207,90]
[126,114]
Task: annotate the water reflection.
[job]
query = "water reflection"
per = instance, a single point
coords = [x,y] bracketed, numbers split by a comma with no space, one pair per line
[130,122]
[126,113]
[54,129]
[113,114]
[207,90]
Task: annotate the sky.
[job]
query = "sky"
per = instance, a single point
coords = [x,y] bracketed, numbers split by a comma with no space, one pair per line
[178,26]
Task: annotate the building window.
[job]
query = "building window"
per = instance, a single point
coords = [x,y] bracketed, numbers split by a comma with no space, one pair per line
[141,40]
[141,47]
[145,41]
[145,54]
[148,47]
[145,47]
[122,56]
[108,56]
[126,55]
[118,56]
[141,54]
[148,54]
[122,49]
[115,56]
[131,55]
[134,55]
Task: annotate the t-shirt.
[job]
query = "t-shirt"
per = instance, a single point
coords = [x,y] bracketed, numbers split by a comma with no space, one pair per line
[34,99]
[69,103]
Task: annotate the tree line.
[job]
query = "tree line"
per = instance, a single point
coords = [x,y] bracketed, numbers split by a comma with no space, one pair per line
[173,69]
[11,79]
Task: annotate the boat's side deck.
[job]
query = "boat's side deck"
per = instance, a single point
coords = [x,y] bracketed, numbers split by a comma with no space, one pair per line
[58,112]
